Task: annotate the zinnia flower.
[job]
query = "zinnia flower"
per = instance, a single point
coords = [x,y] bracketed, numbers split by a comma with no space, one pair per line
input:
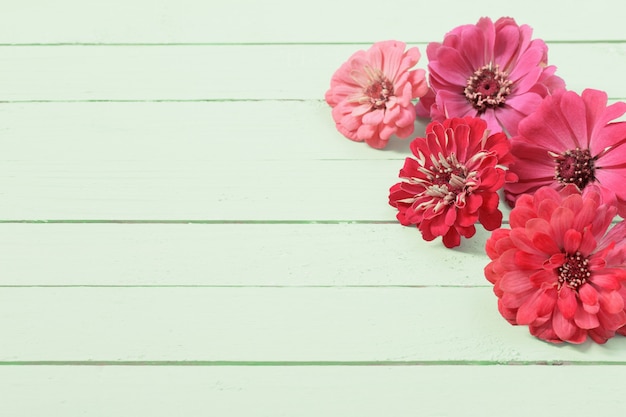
[489,70]
[371,93]
[453,181]
[570,139]
[557,270]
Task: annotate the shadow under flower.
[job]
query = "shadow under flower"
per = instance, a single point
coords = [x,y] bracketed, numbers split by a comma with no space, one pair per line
[476,244]
[402,146]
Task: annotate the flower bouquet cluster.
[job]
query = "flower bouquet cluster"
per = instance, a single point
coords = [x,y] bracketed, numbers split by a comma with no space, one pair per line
[503,123]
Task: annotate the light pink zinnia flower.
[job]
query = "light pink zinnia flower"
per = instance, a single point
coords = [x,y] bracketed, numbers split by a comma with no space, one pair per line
[453,181]
[371,93]
[557,270]
[570,139]
[489,70]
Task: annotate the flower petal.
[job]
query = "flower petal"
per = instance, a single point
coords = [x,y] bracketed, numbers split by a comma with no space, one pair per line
[564,328]
[585,320]
[567,302]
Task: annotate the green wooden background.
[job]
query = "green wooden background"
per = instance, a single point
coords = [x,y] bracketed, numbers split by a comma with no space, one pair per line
[184,232]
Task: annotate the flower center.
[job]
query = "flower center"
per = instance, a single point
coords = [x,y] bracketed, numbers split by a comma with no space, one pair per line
[574,271]
[487,88]
[575,166]
[379,91]
[448,181]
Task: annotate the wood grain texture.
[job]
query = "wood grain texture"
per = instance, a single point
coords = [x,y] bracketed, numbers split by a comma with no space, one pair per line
[35,21]
[169,132]
[307,391]
[295,255]
[225,72]
[163,161]
[154,190]
[273,324]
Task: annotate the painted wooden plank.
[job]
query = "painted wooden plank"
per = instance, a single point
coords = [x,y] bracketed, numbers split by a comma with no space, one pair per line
[310,391]
[197,190]
[234,255]
[272,324]
[209,72]
[31,21]
[207,131]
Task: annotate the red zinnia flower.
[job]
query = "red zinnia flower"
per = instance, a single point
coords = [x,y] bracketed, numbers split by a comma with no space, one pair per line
[371,93]
[570,139]
[453,181]
[557,270]
[490,70]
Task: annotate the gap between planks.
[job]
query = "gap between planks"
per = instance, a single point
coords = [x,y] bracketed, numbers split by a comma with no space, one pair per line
[312,363]
[303,43]
[273,326]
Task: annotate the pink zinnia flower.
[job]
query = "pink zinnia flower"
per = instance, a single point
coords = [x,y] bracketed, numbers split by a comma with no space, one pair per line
[570,139]
[490,70]
[371,93]
[453,181]
[557,270]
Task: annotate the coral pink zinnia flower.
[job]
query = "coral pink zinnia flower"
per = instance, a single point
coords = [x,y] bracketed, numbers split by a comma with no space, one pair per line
[557,270]
[371,93]
[570,139]
[490,70]
[453,181]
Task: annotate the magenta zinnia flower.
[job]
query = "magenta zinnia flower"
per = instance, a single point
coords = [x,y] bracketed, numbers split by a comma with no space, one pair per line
[490,70]
[371,93]
[570,139]
[557,270]
[453,181]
